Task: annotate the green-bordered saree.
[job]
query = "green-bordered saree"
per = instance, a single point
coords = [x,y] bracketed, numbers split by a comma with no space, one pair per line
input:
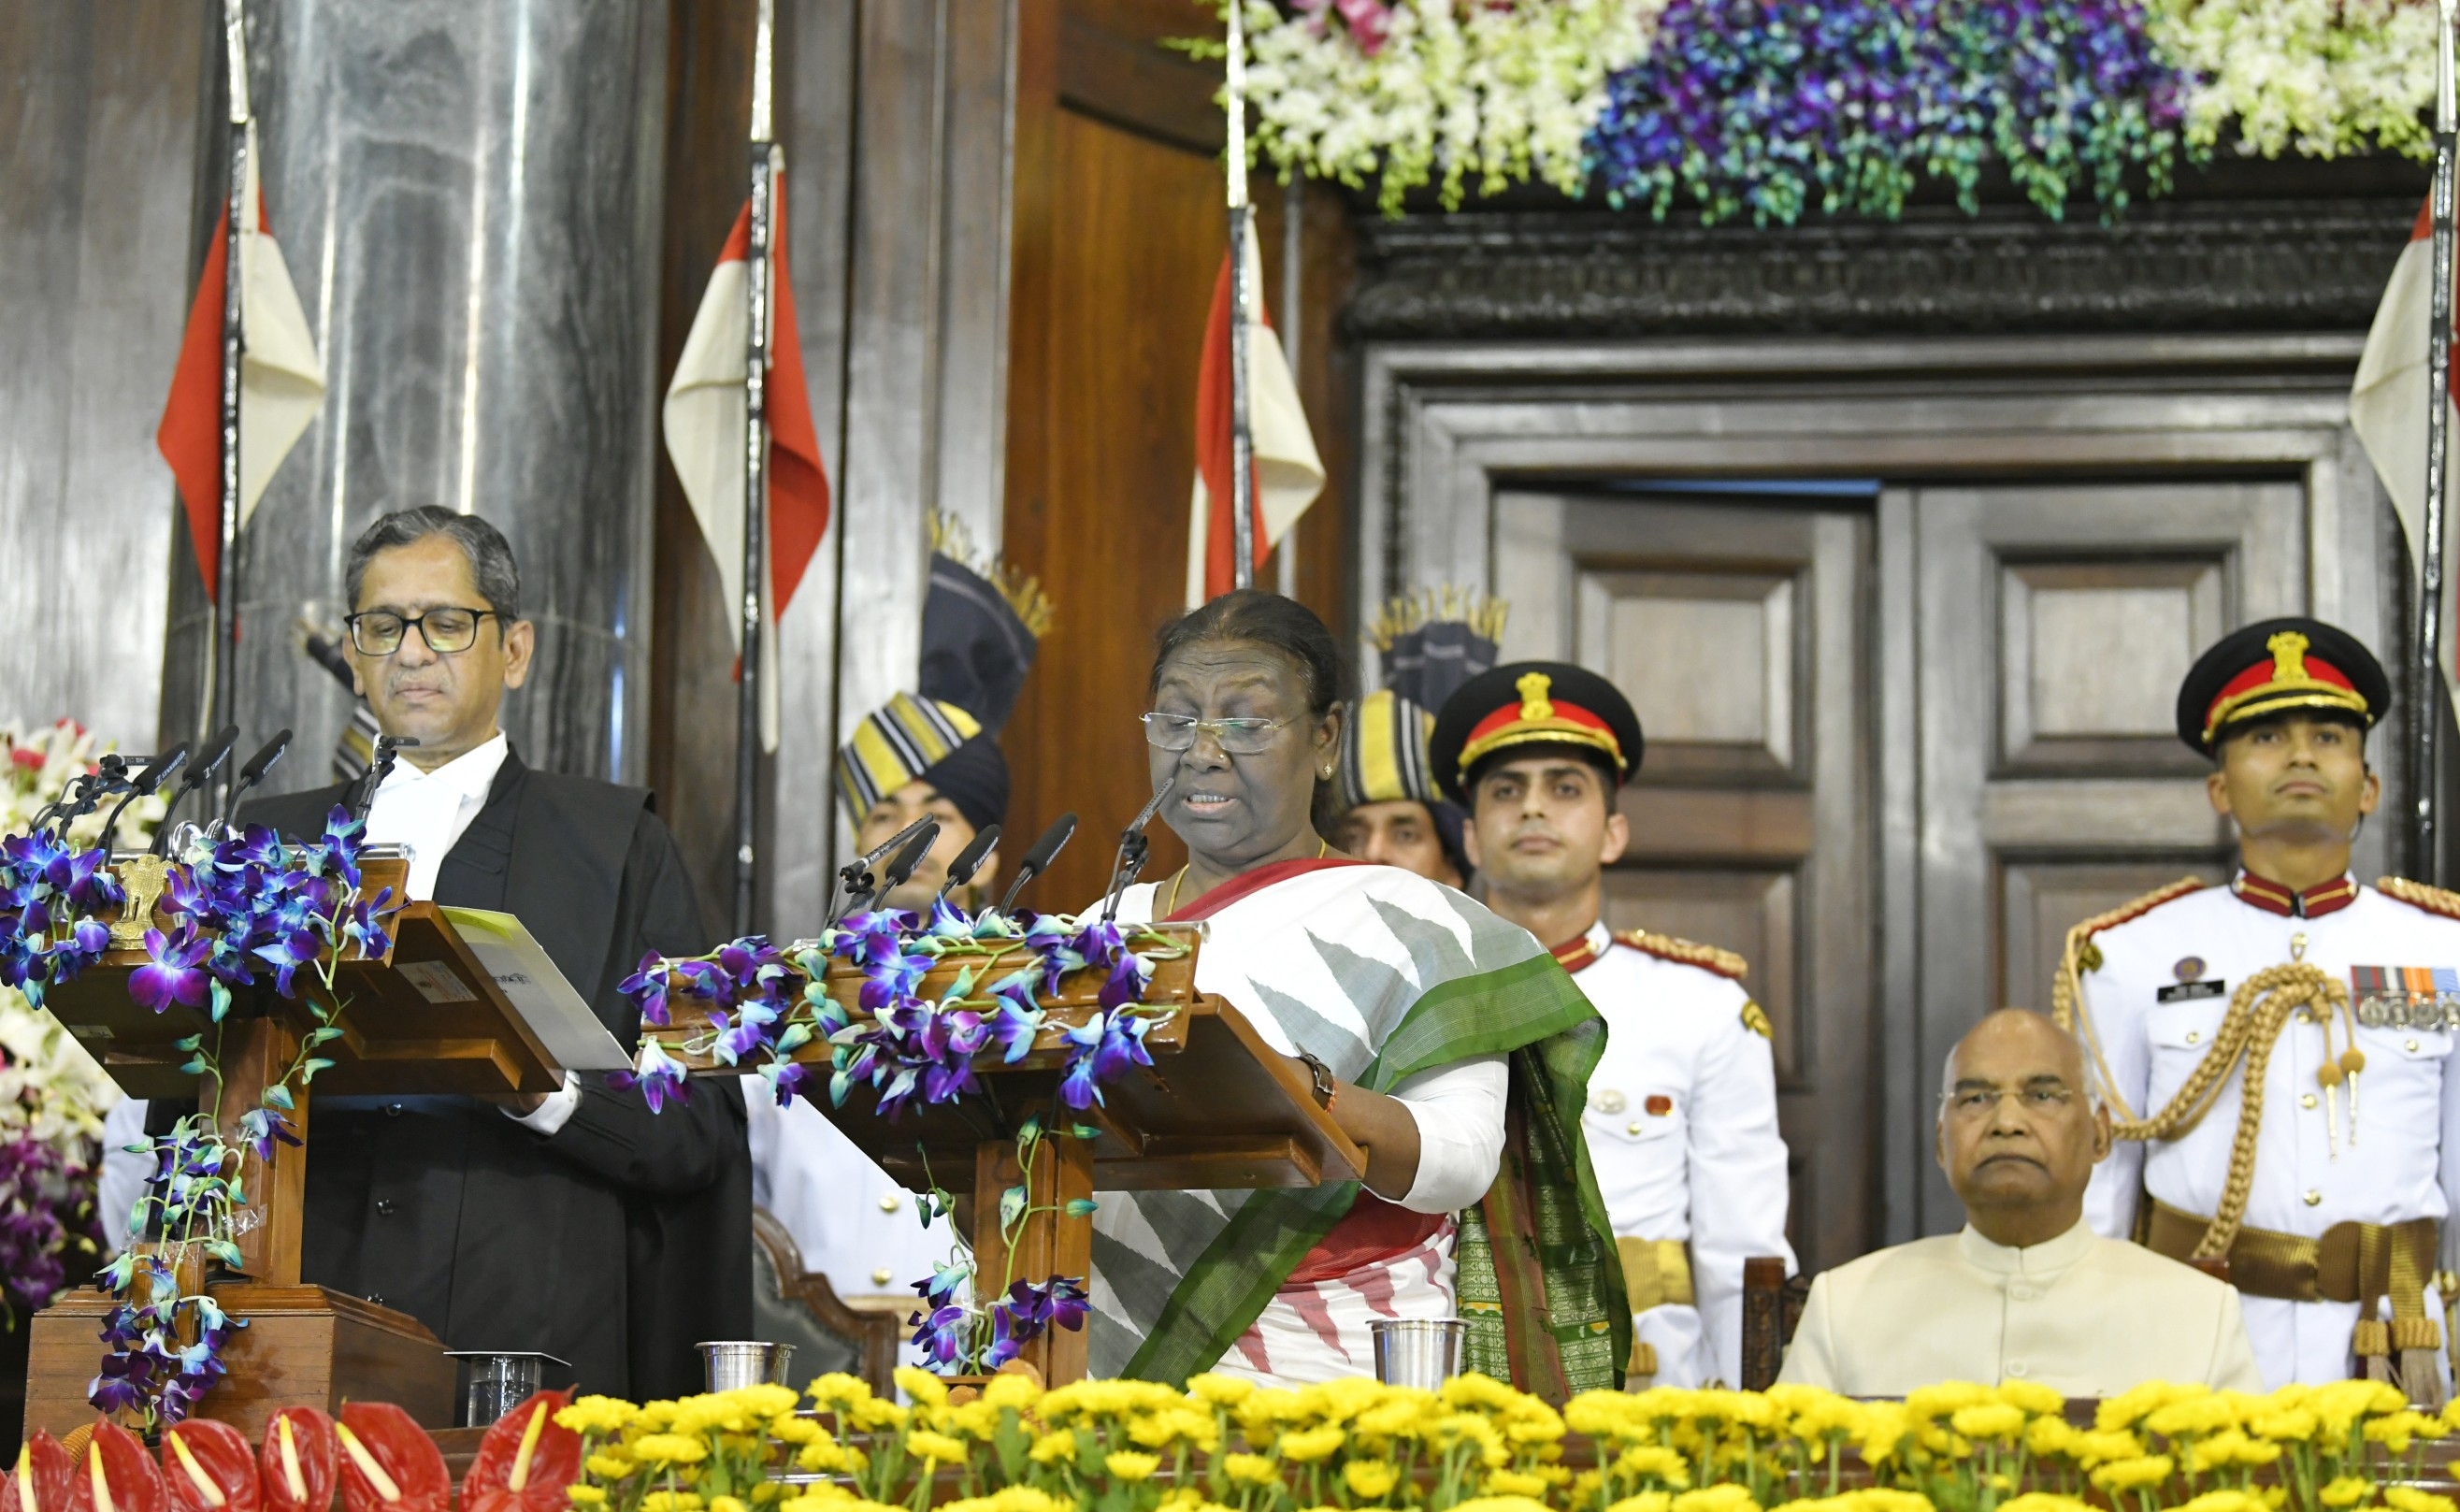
[1382,974]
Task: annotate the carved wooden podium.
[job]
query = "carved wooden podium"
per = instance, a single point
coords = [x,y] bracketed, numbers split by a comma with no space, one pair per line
[1218,1109]
[426,1018]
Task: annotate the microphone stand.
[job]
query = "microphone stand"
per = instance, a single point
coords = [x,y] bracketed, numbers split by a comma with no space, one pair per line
[267,759]
[897,871]
[148,783]
[1133,847]
[201,772]
[969,860]
[1046,850]
[855,875]
[380,763]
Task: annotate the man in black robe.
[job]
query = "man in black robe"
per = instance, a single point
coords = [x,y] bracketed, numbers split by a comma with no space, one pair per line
[578,1223]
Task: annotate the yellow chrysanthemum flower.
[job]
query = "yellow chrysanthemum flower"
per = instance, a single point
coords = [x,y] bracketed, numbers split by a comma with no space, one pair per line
[793,1430]
[2346,1491]
[2042,1502]
[668,1449]
[582,1493]
[1494,1504]
[926,1389]
[1250,1470]
[2283,1424]
[611,1467]
[1727,1498]
[836,1389]
[2395,1432]
[2227,1500]
[2031,1396]
[1514,1483]
[670,1502]
[1996,1421]
[1219,1391]
[1646,1461]
[1309,1445]
[1130,1464]
[1931,1402]
[924,1444]
[2410,1499]
[1646,1502]
[726,1504]
[1011,1391]
[1053,1446]
[2131,1475]
[1370,1480]
[597,1415]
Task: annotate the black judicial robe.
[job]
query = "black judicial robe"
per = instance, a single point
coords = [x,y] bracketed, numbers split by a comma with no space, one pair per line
[622,1239]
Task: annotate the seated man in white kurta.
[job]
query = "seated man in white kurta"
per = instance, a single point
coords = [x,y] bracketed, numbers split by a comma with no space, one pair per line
[2027,1291]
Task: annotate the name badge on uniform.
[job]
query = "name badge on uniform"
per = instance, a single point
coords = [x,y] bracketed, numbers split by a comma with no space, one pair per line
[2190,992]
[2406,997]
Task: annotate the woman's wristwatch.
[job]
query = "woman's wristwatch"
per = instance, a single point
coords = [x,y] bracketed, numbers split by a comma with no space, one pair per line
[1325,1087]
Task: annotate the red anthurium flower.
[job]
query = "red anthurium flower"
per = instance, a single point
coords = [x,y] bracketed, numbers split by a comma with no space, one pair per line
[525,1460]
[389,1465]
[40,1482]
[208,1467]
[295,1462]
[117,1476]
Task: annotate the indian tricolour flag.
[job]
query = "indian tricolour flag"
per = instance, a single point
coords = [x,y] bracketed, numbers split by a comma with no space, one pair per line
[705,417]
[2387,405]
[1288,473]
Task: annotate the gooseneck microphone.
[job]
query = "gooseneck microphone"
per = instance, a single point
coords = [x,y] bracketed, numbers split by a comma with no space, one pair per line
[1053,840]
[969,860]
[200,772]
[267,756]
[893,876]
[856,877]
[362,793]
[146,784]
[83,796]
[1133,847]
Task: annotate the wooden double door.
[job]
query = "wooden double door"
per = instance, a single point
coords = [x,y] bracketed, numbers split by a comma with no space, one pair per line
[1898,739]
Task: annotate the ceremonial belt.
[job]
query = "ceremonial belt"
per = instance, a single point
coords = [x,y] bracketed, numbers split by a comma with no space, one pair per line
[1656,1273]
[2351,1261]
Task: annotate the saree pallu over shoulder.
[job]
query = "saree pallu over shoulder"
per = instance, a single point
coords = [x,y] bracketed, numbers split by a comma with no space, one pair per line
[1382,974]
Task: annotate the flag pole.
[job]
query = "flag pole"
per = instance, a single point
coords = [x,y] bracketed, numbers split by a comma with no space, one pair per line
[222,666]
[765,165]
[2428,701]
[1242,451]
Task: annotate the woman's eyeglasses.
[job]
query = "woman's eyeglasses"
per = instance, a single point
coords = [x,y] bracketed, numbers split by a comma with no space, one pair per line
[379,633]
[1235,737]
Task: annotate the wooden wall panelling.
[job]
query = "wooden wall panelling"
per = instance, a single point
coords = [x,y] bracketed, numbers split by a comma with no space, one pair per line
[1119,229]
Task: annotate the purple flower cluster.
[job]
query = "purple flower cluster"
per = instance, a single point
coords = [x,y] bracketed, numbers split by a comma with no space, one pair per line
[257,905]
[46,1205]
[48,896]
[1769,106]
[946,1334]
[148,1370]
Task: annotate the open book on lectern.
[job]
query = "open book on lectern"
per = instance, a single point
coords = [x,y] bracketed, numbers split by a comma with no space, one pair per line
[554,1010]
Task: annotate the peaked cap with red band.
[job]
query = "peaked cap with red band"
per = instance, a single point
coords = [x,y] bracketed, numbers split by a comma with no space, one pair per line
[1526,705]
[2279,667]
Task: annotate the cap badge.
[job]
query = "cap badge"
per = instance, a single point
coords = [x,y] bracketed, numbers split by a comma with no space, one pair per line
[2288,650]
[1534,703]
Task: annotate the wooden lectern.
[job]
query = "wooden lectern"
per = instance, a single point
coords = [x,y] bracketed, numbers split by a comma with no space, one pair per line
[1218,1109]
[427,1017]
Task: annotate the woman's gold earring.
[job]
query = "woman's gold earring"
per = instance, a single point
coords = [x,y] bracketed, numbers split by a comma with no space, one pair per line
[1327,774]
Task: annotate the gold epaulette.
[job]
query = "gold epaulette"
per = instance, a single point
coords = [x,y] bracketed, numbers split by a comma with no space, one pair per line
[1706,957]
[2418,895]
[2082,955]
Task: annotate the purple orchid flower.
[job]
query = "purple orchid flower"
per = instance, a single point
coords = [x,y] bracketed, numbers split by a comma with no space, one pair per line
[941,1334]
[656,1075]
[263,1129]
[170,975]
[645,989]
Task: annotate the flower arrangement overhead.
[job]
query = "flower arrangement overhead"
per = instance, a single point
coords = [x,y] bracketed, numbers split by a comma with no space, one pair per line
[1771,108]
[765,1008]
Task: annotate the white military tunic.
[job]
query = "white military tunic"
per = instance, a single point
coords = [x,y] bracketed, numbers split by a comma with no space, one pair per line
[2397,1162]
[1681,1128]
[2084,1315]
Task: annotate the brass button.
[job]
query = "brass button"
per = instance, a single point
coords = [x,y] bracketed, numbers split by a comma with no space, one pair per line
[1632,1128]
[2305,1015]
[2314,1198]
[882,1276]
[2411,1047]
[2306,1101]
[2194,1038]
[888,1204]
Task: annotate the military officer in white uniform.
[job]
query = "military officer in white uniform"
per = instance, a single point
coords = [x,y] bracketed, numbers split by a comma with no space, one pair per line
[2327,1196]
[1681,1117]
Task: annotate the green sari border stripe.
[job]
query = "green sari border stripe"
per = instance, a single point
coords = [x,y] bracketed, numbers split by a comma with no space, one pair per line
[1537,987]
[1237,1275]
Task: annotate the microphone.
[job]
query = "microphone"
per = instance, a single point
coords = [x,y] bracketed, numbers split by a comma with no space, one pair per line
[1133,847]
[267,757]
[362,795]
[201,770]
[1053,840]
[969,860]
[855,875]
[83,796]
[147,782]
[894,876]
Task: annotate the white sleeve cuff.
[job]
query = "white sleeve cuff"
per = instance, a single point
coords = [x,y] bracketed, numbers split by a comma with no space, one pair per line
[556,1111]
[1459,1113]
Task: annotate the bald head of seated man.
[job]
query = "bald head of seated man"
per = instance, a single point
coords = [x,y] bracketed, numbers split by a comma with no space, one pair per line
[2026,1292]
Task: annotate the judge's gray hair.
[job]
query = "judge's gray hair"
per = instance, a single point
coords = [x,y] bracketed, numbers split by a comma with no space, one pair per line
[491,557]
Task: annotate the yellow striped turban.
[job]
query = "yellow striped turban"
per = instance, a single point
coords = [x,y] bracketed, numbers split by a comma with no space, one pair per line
[1384,752]
[894,744]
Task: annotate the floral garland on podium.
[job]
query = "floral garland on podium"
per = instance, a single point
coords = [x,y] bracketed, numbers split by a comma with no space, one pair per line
[1772,109]
[764,1004]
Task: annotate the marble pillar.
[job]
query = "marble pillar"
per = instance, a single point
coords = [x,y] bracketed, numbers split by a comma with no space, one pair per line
[468,194]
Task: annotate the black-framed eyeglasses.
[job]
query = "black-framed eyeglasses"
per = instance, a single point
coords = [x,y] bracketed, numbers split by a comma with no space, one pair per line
[1235,736]
[379,633]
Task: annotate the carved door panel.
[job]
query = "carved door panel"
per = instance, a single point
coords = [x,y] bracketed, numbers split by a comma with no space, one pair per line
[2052,627]
[1738,633]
